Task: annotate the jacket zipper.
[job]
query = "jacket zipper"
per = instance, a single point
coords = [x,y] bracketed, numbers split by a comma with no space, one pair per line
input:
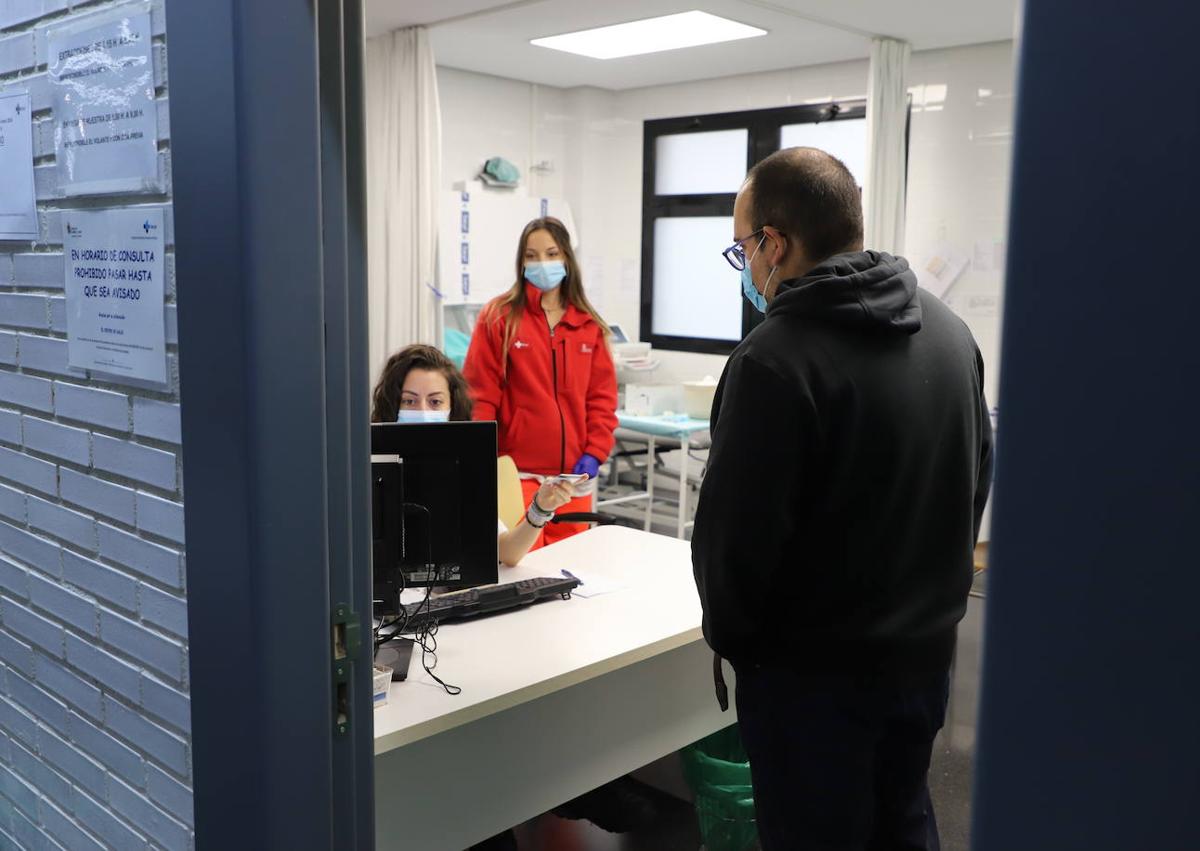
[562,423]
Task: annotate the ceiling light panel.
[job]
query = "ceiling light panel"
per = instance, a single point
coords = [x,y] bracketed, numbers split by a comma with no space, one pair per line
[652,35]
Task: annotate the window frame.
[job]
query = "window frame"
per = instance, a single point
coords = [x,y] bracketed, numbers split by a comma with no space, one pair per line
[764,128]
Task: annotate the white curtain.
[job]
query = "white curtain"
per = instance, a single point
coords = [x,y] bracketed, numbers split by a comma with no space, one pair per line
[404,141]
[887,117]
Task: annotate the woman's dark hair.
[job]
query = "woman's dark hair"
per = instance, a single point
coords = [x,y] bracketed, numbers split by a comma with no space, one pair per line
[385,401]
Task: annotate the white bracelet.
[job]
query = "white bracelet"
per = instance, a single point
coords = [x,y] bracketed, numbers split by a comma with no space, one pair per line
[536,516]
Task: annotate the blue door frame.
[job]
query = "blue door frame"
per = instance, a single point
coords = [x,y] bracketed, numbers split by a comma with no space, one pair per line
[1088,730]
[266,114]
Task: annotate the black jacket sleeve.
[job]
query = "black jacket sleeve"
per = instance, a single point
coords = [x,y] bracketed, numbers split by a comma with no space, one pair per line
[746,516]
[983,485]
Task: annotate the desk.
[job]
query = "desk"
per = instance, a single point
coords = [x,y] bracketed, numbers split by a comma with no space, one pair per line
[557,698]
[680,428]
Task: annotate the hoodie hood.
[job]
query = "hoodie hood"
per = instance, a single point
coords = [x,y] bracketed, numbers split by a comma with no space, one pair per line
[870,290]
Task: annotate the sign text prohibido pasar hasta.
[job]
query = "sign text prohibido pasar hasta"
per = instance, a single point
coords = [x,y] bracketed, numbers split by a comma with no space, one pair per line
[114,285]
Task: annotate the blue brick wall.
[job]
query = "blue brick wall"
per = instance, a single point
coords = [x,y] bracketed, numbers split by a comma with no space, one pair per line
[157,420]
[132,460]
[93,407]
[8,347]
[21,310]
[10,427]
[95,719]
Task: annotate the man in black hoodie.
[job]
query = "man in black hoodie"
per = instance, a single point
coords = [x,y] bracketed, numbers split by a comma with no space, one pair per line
[834,537]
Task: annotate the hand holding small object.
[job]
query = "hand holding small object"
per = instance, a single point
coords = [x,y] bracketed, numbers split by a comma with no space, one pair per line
[554,494]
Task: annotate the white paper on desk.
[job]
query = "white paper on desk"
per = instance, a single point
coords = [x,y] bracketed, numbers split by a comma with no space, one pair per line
[593,584]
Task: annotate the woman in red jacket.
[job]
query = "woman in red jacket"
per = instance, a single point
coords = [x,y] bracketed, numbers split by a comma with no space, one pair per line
[540,366]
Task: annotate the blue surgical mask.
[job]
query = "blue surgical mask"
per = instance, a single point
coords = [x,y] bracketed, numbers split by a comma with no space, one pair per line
[759,300]
[415,415]
[545,276]
[751,292]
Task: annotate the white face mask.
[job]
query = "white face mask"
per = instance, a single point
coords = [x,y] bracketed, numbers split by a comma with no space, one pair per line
[415,415]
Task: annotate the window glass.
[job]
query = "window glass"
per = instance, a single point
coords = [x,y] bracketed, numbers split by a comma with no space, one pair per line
[696,293]
[700,163]
[845,139]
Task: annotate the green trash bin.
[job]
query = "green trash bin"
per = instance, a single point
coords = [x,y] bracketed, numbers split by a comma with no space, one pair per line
[718,772]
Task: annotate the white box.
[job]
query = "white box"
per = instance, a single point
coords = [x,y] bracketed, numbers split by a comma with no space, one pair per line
[648,400]
[630,351]
[381,682]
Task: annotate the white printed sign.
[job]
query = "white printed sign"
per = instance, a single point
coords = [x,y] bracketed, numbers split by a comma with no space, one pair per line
[18,207]
[114,289]
[105,133]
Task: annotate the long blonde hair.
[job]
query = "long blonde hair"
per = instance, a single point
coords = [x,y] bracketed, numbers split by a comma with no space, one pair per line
[512,304]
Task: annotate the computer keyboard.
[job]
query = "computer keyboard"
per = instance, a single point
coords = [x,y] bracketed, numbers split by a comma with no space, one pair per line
[483,600]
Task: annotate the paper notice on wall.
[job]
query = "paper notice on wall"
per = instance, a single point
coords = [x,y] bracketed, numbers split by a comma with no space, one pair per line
[114,290]
[943,267]
[18,205]
[106,122]
[982,306]
[631,280]
[975,304]
[593,281]
[989,256]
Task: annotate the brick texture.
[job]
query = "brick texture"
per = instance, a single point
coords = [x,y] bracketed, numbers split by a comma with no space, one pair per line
[95,718]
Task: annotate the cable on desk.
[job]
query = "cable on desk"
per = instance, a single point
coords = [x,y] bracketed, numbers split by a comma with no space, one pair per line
[401,619]
[425,637]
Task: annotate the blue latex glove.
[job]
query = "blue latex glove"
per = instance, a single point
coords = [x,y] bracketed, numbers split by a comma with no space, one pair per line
[589,465]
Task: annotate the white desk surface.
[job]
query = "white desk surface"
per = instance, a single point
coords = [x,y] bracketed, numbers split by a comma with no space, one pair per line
[508,659]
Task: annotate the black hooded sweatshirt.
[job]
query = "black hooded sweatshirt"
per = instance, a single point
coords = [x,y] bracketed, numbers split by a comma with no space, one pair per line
[850,464]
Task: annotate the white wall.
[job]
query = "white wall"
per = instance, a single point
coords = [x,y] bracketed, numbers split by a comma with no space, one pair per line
[960,150]
[485,117]
[958,164]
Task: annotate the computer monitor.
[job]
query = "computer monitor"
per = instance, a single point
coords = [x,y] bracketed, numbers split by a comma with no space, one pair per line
[433,507]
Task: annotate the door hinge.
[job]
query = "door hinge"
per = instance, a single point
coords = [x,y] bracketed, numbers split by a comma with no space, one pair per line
[347,640]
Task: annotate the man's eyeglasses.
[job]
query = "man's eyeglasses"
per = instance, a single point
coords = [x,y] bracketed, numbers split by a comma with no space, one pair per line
[736,254]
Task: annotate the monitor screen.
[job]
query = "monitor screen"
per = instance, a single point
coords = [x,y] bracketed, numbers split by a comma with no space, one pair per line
[433,503]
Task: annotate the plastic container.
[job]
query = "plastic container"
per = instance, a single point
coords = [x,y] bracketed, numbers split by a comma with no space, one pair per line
[381,682]
[718,772]
[698,397]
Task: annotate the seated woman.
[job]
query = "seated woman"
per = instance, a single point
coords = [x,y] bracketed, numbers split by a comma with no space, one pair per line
[420,384]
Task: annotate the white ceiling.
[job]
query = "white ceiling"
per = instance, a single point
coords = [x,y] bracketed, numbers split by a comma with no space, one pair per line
[493,37]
